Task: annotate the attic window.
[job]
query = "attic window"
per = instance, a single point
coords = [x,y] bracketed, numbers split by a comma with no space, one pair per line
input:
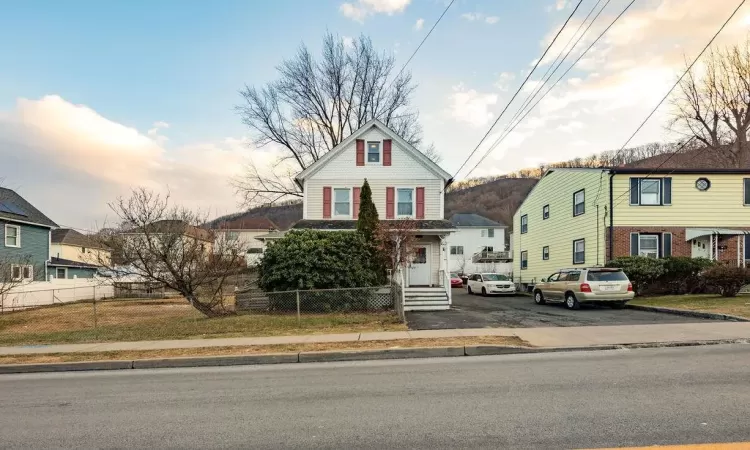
[373,152]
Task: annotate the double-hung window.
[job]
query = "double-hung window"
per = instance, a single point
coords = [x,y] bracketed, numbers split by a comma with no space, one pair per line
[579,251]
[746,189]
[405,202]
[650,191]
[579,203]
[648,245]
[12,236]
[651,245]
[342,202]
[373,152]
[545,212]
[457,250]
[21,273]
[524,224]
[524,260]
[545,252]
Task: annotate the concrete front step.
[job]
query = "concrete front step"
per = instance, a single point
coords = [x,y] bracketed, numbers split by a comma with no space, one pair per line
[441,307]
[426,298]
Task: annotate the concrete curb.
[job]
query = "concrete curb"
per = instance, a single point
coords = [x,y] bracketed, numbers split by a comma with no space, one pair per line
[333,356]
[688,313]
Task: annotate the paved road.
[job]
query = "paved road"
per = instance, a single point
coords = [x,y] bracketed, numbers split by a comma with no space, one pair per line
[474,311]
[572,400]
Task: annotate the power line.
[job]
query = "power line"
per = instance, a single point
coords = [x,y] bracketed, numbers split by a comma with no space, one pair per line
[420,44]
[670,91]
[503,136]
[557,64]
[520,87]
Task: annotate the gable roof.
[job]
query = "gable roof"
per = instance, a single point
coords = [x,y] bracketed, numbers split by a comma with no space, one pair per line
[67,236]
[473,220]
[419,156]
[15,208]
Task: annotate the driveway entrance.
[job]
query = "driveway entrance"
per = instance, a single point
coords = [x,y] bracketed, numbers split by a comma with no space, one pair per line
[473,311]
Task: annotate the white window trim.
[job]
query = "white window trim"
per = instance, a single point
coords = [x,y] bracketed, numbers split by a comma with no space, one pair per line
[659,195]
[584,251]
[20,269]
[18,236]
[583,202]
[656,236]
[31,272]
[413,214]
[333,203]
[525,216]
[526,254]
[380,152]
[456,247]
[61,268]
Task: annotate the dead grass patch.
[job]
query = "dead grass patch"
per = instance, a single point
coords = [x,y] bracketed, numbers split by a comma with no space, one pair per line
[735,306]
[259,349]
[135,320]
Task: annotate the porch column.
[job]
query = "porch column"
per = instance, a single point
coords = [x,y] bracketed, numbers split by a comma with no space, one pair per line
[444,267]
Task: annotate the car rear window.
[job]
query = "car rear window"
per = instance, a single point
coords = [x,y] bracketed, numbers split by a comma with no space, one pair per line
[603,275]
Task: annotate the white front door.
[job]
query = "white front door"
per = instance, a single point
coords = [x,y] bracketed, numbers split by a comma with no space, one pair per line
[419,270]
[701,247]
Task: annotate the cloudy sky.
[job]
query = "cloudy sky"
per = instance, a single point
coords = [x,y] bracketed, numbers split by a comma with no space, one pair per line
[96,97]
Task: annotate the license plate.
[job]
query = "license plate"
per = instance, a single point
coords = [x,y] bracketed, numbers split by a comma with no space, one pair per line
[608,288]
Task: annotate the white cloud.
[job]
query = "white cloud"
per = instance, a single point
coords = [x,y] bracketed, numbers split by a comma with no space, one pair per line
[154,132]
[419,25]
[471,17]
[570,126]
[561,4]
[503,81]
[79,154]
[470,106]
[363,8]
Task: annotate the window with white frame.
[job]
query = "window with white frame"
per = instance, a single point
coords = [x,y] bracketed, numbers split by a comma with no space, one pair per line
[579,251]
[341,202]
[579,203]
[524,260]
[490,232]
[545,252]
[12,236]
[524,224]
[648,245]
[545,212]
[405,202]
[650,192]
[457,249]
[373,152]
[61,273]
[21,272]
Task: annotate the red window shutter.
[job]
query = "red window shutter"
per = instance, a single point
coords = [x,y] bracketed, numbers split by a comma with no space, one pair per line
[420,203]
[360,152]
[327,202]
[386,152]
[355,202]
[390,195]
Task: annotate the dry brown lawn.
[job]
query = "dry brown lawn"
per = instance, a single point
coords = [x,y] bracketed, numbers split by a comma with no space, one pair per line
[735,306]
[259,349]
[136,319]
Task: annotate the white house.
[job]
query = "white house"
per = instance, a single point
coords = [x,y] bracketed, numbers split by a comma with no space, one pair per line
[405,184]
[244,232]
[478,245]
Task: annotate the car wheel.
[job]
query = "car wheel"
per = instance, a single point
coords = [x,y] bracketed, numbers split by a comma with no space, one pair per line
[571,302]
[470,293]
[539,298]
[618,305]
[484,292]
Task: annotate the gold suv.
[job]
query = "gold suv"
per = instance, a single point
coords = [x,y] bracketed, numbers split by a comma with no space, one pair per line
[585,285]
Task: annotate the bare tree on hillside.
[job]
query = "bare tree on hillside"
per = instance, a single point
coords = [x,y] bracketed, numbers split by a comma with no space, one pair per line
[714,106]
[316,103]
[166,244]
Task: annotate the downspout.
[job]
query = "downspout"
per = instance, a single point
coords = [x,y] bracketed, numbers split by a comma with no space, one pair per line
[611,217]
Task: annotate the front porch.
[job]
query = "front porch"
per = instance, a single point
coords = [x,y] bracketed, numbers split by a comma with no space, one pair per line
[720,244]
[426,281]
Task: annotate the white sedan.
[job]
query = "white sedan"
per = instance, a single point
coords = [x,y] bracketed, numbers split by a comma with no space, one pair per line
[490,283]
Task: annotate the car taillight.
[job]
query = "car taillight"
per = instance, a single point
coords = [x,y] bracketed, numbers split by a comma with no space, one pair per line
[585,287]
[630,287]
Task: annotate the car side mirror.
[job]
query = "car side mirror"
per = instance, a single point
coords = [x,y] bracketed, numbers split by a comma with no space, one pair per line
[544,280]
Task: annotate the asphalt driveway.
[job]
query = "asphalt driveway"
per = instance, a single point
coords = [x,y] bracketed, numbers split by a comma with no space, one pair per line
[473,311]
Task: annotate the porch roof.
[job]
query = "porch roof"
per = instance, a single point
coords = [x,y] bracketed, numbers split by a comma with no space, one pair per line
[692,233]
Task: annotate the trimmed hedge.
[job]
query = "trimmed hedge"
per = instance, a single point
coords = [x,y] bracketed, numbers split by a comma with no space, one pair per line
[675,275]
[727,280]
[309,259]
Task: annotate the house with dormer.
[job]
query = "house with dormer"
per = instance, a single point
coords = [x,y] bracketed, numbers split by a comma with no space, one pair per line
[405,184]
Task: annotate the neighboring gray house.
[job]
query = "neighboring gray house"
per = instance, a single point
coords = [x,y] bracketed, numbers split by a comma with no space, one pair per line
[25,231]
[478,245]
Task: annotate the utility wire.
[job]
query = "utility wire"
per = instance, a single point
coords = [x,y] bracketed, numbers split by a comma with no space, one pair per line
[520,87]
[670,91]
[420,44]
[503,136]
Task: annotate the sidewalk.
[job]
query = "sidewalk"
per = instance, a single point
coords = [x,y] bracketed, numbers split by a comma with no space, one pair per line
[536,337]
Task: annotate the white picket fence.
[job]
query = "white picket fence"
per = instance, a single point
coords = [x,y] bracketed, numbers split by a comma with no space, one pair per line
[53,292]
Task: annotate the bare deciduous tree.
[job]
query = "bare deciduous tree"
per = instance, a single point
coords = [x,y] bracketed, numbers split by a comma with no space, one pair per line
[12,273]
[713,103]
[317,103]
[166,244]
[395,241]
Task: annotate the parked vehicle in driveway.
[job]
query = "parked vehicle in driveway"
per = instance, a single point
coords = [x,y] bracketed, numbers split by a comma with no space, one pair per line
[490,284]
[585,285]
[456,280]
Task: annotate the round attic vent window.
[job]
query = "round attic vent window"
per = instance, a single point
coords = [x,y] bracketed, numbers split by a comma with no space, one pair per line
[702,184]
